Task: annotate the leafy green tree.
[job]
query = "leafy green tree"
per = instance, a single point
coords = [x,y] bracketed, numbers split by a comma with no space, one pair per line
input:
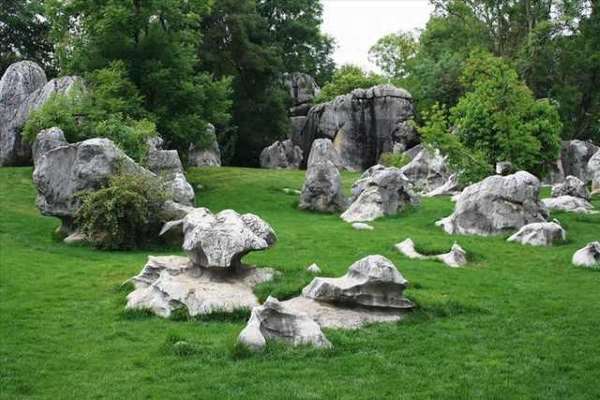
[346,79]
[393,52]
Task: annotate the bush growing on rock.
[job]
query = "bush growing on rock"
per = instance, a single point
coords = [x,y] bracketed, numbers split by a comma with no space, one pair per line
[394,160]
[124,214]
[346,79]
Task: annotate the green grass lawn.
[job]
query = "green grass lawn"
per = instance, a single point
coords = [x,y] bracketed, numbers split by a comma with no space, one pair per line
[518,323]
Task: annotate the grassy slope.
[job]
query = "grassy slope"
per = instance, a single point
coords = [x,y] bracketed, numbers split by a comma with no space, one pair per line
[520,323]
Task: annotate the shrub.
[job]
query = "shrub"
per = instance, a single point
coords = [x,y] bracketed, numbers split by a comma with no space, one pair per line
[124,214]
[346,79]
[394,160]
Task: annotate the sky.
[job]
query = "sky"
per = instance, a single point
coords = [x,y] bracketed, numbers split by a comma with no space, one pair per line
[357,24]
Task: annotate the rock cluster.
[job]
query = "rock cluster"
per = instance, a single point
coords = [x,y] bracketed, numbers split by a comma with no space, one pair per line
[208,156]
[362,125]
[380,191]
[574,157]
[456,257]
[24,88]
[428,170]
[322,189]
[281,155]
[571,186]
[588,256]
[495,205]
[302,89]
[212,277]
[539,234]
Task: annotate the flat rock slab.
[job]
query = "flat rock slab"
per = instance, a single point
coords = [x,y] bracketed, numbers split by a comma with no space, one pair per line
[171,282]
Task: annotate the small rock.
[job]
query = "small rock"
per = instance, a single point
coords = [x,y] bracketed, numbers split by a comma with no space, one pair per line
[569,204]
[361,226]
[571,186]
[504,168]
[456,257]
[539,234]
[589,256]
[450,188]
[313,269]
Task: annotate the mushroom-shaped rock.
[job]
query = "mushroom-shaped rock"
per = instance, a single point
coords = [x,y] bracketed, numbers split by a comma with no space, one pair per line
[593,169]
[322,189]
[281,155]
[539,234]
[168,283]
[274,321]
[588,256]
[208,155]
[380,191]
[568,204]
[372,281]
[47,140]
[571,186]
[221,240]
[428,170]
[495,205]
[322,150]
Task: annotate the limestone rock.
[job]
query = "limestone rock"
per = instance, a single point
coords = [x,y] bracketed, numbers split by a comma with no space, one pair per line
[539,234]
[362,125]
[593,170]
[555,174]
[47,140]
[372,281]
[23,88]
[313,269]
[169,283]
[450,188]
[208,156]
[504,168]
[301,87]
[361,226]
[296,125]
[496,204]
[322,189]
[167,165]
[588,256]
[575,155]
[571,186]
[568,204]
[323,150]
[380,191]
[456,257]
[281,155]
[428,170]
[275,321]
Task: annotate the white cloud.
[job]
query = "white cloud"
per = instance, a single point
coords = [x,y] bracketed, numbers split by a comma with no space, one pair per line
[357,24]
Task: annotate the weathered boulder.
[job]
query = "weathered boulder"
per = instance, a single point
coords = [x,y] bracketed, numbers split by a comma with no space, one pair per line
[568,204]
[64,171]
[456,257]
[593,169]
[47,140]
[588,256]
[555,173]
[362,124]
[372,281]
[539,234]
[323,150]
[274,321]
[322,189]
[380,191]
[428,170]
[575,155]
[23,88]
[496,205]
[221,240]
[168,283]
[206,156]
[450,188]
[301,87]
[571,186]
[167,165]
[281,154]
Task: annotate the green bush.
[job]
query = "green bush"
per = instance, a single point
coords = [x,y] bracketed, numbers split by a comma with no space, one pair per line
[124,214]
[346,79]
[394,160]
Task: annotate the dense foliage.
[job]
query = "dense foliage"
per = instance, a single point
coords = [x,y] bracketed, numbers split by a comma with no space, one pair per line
[346,79]
[124,214]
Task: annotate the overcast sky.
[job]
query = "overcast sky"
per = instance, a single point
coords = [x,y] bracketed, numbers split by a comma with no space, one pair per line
[357,24]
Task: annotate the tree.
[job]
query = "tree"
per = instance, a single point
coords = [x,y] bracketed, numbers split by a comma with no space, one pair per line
[393,52]
[347,78]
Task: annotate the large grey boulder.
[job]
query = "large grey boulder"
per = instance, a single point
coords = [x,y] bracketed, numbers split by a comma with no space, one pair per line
[167,165]
[588,256]
[495,205]
[571,186]
[322,189]
[380,191]
[24,88]
[64,171]
[428,170]
[539,234]
[274,321]
[575,155]
[568,204]
[372,281]
[47,140]
[207,156]
[221,240]
[168,283]
[362,125]
[281,155]
[323,150]
[593,170]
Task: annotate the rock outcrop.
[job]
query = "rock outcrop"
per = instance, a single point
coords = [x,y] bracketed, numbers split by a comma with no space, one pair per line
[588,256]
[362,125]
[274,321]
[575,155]
[322,189]
[495,205]
[568,204]
[380,191]
[47,140]
[323,150]
[281,155]
[539,234]
[571,186]
[207,156]
[23,88]
[593,169]
[456,257]
[427,171]
[302,89]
